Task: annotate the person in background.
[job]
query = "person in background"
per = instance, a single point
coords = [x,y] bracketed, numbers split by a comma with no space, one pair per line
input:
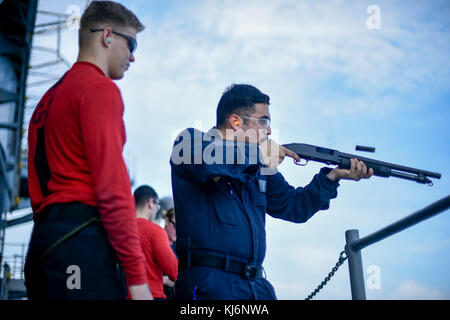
[165,203]
[170,226]
[160,259]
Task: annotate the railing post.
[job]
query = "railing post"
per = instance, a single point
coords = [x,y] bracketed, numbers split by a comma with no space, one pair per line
[4,282]
[355,266]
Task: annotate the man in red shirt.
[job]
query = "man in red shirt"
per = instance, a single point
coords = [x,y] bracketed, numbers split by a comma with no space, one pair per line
[160,259]
[85,230]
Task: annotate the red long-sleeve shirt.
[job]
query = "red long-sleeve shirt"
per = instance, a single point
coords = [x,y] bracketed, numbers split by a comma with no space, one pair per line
[75,139]
[159,257]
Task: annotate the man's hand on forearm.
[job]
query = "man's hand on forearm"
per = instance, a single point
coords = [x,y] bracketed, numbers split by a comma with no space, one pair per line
[168,282]
[140,292]
[358,170]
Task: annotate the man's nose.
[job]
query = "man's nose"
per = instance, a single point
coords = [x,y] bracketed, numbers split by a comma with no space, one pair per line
[269,131]
[132,58]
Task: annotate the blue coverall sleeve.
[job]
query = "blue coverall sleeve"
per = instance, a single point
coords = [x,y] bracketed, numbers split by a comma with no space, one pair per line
[201,157]
[299,204]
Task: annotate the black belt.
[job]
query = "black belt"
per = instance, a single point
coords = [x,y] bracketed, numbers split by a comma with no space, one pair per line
[65,212]
[246,271]
[71,211]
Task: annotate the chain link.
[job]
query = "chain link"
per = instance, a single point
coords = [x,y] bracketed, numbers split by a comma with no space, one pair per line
[342,258]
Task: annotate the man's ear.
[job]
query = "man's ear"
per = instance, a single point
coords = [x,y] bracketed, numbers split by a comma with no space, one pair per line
[106,36]
[234,121]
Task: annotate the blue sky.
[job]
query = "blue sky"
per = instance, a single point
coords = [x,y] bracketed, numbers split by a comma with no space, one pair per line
[333,82]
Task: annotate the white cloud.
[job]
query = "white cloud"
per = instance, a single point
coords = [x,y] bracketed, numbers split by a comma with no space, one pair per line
[328,36]
[411,290]
[303,49]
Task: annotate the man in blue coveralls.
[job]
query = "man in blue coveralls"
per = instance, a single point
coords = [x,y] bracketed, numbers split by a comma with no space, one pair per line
[224,181]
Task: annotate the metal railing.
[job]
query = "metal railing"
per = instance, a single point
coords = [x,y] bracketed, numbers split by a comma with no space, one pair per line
[354,244]
[15,260]
[12,271]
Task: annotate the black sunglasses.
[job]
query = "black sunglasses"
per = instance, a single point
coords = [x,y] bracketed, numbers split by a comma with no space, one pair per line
[132,43]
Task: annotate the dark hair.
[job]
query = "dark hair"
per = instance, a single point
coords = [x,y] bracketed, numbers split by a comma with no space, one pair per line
[143,194]
[100,13]
[239,99]
[170,214]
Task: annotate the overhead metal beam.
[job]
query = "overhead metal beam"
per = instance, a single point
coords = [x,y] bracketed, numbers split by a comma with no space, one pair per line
[14,222]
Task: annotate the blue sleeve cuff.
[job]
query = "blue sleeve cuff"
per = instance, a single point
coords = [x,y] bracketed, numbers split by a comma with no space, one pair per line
[327,182]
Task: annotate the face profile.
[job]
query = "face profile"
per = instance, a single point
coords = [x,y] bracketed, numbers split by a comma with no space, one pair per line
[123,44]
[254,128]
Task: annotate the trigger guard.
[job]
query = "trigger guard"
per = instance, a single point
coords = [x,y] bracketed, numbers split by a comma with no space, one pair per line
[300,164]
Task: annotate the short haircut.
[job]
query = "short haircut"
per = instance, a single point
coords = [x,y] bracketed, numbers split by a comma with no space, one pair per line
[143,194]
[238,99]
[106,14]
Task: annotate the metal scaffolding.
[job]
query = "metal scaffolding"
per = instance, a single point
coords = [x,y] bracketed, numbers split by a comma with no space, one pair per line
[19,27]
[16,34]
